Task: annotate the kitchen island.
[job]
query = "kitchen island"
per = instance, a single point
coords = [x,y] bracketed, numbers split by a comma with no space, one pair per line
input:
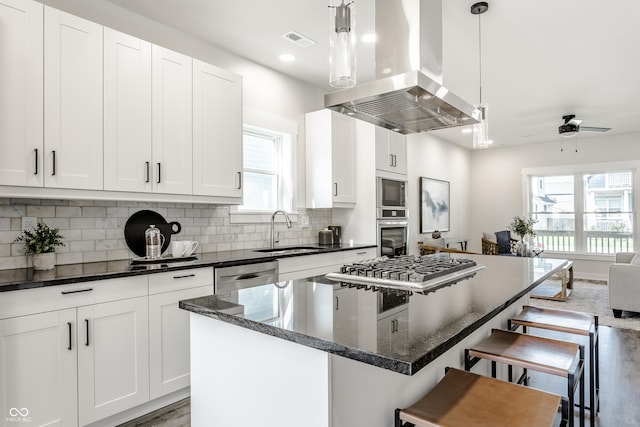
[315,352]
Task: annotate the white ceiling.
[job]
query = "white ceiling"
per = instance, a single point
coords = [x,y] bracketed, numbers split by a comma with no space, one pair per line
[540,60]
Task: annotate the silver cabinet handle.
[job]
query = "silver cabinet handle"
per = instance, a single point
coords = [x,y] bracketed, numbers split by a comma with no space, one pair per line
[147,165]
[335,188]
[53,170]
[337,303]
[158,182]
[36,156]
[390,159]
[239,180]
[361,253]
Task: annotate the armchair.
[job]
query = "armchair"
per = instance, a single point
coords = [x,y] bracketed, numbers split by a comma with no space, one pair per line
[624,284]
[499,243]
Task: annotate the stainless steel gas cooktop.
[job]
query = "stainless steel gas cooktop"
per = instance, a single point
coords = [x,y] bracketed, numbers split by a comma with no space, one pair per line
[408,272]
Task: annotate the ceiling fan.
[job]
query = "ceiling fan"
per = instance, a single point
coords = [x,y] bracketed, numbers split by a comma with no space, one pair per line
[571,127]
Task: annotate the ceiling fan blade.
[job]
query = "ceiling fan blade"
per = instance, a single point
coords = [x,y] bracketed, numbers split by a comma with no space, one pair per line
[538,133]
[593,129]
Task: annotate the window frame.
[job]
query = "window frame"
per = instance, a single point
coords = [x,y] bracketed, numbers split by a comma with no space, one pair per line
[578,172]
[271,124]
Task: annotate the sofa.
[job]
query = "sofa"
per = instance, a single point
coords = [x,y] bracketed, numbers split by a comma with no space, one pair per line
[624,283]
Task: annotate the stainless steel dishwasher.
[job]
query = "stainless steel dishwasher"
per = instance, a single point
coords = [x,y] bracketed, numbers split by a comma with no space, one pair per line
[230,279]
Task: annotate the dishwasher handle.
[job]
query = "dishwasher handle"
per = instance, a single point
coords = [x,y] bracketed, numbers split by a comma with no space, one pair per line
[229,279]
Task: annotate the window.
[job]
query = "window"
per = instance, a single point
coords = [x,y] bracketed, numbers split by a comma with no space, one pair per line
[267,170]
[583,212]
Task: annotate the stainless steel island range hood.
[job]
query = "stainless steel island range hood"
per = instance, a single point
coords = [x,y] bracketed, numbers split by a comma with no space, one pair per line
[407,95]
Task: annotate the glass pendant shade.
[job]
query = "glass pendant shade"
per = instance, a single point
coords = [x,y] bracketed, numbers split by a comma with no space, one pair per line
[342,61]
[481,130]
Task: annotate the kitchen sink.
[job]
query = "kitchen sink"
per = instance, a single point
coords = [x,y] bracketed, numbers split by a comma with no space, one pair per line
[289,249]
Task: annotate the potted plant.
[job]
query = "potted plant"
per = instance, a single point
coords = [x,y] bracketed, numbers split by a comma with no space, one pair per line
[523,227]
[41,242]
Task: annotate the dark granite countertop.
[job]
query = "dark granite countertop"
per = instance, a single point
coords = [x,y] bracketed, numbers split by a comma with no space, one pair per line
[27,278]
[345,320]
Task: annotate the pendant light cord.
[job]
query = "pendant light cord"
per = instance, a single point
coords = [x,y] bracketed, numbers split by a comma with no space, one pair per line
[480,54]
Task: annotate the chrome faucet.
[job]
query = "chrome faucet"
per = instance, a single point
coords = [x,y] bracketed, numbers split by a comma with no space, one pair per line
[286,217]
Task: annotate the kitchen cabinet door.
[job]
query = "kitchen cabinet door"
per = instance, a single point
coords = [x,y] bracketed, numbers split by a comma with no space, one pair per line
[113,357]
[391,151]
[172,121]
[73,156]
[21,86]
[169,356]
[127,113]
[343,159]
[39,369]
[217,132]
[330,159]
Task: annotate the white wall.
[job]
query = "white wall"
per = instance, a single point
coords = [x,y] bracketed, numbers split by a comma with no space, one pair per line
[263,88]
[497,186]
[431,157]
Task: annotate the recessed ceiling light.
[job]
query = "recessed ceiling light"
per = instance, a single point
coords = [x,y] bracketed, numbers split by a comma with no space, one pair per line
[369,38]
[287,57]
[467,130]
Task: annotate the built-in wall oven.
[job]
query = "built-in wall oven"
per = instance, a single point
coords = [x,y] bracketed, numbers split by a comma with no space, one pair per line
[391,198]
[392,237]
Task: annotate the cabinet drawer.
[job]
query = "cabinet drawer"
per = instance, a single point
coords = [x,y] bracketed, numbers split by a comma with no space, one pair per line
[180,279]
[359,255]
[307,262]
[49,298]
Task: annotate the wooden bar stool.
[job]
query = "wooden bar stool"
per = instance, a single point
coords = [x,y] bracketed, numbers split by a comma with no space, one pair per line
[564,359]
[465,399]
[571,322]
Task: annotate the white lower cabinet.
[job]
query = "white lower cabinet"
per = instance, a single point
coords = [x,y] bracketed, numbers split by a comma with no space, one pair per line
[39,369]
[113,355]
[169,363]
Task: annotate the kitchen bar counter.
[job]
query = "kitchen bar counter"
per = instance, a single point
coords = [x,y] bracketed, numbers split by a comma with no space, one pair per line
[370,360]
[27,278]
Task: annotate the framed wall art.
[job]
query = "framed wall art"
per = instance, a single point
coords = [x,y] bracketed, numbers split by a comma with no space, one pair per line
[434,205]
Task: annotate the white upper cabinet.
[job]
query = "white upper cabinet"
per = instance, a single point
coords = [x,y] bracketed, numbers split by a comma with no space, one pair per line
[331,157]
[72,101]
[21,89]
[127,113]
[172,121]
[391,151]
[217,132]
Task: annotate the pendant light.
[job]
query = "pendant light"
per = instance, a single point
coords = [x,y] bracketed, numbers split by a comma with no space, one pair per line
[342,60]
[480,130]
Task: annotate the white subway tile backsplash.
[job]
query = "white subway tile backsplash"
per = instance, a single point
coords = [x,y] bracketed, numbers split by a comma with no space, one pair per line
[94,212]
[94,230]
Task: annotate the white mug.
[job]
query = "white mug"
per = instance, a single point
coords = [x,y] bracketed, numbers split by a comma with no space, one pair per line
[182,248]
[189,247]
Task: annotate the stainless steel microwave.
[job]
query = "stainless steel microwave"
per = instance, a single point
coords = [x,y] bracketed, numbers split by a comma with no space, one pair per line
[391,198]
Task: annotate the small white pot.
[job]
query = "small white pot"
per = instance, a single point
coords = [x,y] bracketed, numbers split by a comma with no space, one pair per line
[44,261]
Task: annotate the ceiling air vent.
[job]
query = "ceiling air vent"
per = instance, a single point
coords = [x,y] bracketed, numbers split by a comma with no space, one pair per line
[298,39]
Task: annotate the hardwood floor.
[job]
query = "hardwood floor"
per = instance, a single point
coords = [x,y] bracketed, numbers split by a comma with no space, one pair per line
[619,385]
[619,378]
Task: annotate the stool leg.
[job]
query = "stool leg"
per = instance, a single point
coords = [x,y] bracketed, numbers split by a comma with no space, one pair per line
[570,392]
[597,363]
[593,405]
[582,387]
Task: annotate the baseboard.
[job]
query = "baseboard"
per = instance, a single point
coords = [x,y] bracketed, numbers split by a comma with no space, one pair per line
[143,409]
